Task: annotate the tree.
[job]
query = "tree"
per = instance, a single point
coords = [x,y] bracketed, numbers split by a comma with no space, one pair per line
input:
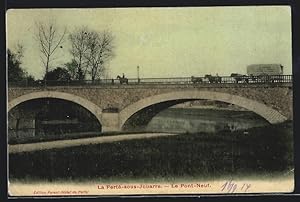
[79,40]
[15,71]
[79,75]
[75,72]
[49,41]
[30,80]
[19,51]
[91,50]
[58,74]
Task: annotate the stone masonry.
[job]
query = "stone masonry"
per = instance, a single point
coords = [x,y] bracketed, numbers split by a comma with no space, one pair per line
[277,98]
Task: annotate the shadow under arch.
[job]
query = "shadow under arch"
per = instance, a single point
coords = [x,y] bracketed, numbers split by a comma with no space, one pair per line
[168,99]
[91,107]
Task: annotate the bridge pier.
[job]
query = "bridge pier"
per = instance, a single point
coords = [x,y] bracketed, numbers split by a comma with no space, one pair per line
[110,122]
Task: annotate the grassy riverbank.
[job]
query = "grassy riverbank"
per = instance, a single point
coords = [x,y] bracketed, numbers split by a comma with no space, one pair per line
[203,155]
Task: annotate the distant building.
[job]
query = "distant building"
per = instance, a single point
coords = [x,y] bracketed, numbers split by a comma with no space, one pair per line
[264,69]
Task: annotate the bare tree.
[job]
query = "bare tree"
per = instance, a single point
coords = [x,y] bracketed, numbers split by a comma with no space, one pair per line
[19,51]
[92,50]
[78,49]
[49,40]
[100,51]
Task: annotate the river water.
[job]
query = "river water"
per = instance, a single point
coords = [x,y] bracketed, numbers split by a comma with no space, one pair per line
[171,120]
[204,120]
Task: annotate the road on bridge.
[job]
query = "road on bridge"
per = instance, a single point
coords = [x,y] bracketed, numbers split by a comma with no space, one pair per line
[79,142]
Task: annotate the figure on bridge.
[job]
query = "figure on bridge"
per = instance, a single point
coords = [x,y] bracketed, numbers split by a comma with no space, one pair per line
[123,79]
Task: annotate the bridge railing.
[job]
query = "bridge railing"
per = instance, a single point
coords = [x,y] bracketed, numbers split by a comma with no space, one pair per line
[160,81]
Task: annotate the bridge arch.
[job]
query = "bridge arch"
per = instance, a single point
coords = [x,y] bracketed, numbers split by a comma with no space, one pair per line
[91,107]
[268,113]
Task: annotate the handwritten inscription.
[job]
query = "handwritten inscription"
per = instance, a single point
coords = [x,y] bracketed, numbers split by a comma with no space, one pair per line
[233,187]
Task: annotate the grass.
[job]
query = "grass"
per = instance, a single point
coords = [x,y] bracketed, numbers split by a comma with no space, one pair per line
[206,156]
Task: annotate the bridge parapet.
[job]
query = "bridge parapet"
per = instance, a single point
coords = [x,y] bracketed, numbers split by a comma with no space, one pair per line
[208,79]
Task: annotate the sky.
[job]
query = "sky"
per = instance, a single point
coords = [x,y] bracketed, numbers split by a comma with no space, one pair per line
[166,42]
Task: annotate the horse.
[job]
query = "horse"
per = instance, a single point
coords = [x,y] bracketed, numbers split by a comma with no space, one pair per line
[196,79]
[122,80]
[213,79]
[240,77]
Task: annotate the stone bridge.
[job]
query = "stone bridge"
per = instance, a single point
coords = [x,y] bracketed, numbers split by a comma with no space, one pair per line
[273,102]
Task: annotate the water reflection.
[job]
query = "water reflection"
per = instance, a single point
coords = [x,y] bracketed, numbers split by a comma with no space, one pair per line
[204,120]
[49,117]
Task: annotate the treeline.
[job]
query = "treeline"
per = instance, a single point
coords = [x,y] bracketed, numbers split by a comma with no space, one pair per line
[90,52]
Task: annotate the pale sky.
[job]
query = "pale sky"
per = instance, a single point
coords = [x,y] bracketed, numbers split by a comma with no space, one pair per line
[168,42]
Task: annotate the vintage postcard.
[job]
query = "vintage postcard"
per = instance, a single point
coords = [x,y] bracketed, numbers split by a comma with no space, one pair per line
[138,101]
